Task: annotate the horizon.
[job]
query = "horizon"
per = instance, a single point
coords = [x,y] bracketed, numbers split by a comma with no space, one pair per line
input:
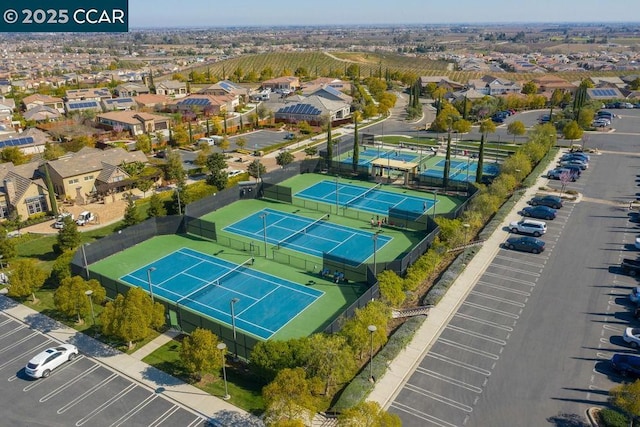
[145,14]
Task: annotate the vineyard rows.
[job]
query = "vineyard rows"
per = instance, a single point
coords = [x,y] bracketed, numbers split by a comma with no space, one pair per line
[321,64]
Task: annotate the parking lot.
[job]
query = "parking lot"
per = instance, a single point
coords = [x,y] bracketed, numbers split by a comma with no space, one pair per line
[81,392]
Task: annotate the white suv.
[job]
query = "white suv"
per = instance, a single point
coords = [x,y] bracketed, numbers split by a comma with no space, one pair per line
[528,226]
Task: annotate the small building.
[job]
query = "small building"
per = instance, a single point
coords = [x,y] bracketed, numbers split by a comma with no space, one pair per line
[312,110]
[41,113]
[226,88]
[288,83]
[151,101]
[119,104]
[91,94]
[136,123]
[79,106]
[172,88]
[38,100]
[129,90]
[207,104]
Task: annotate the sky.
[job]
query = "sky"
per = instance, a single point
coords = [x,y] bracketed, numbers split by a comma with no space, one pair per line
[221,13]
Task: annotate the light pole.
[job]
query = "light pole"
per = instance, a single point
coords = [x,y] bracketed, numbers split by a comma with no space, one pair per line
[466,229]
[337,195]
[233,327]
[264,230]
[372,329]
[88,293]
[149,270]
[179,204]
[84,259]
[3,277]
[375,249]
[222,347]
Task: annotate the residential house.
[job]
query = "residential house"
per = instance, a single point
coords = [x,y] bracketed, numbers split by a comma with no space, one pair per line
[136,123]
[31,141]
[312,110]
[5,86]
[207,104]
[38,100]
[41,113]
[328,92]
[227,88]
[490,85]
[128,90]
[119,104]
[91,94]
[604,93]
[79,106]
[548,83]
[173,88]
[91,171]
[341,85]
[614,81]
[441,82]
[152,102]
[289,83]
[469,94]
[22,190]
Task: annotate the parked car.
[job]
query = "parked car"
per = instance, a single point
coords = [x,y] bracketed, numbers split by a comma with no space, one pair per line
[576,155]
[575,162]
[540,212]
[602,114]
[632,268]
[575,170]
[632,337]
[634,296]
[601,123]
[554,202]
[526,244]
[557,174]
[85,217]
[497,119]
[41,365]
[545,118]
[59,224]
[529,226]
[626,364]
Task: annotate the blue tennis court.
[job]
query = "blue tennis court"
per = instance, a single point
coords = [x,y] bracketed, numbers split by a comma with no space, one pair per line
[370,154]
[306,235]
[207,284]
[370,199]
[458,171]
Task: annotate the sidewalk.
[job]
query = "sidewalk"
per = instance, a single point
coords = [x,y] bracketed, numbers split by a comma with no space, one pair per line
[401,368]
[215,410]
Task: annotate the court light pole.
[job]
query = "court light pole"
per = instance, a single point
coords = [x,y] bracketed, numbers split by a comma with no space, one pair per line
[223,347]
[233,327]
[89,293]
[264,230]
[466,230]
[337,196]
[149,271]
[372,329]
[84,260]
[435,196]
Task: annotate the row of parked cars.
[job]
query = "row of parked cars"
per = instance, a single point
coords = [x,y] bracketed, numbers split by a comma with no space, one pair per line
[570,167]
[501,116]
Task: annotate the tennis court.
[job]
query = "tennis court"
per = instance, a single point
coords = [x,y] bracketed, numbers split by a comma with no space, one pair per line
[307,235]
[370,199]
[207,285]
[367,155]
[461,170]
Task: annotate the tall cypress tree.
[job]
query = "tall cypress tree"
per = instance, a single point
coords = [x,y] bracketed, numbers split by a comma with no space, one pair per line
[356,148]
[329,144]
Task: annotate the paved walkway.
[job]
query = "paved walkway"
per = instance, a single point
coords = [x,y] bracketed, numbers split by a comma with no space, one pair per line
[401,368]
[216,410]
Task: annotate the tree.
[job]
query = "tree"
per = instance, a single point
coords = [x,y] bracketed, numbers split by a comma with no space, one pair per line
[572,130]
[71,299]
[289,398]
[284,158]
[529,88]
[143,143]
[241,142]
[26,278]
[224,144]
[556,98]
[330,360]
[356,332]
[461,126]
[51,193]
[579,100]
[368,414]
[256,169]
[356,147]
[144,185]
[13,155]
[180,135]
[270,357]
[199,352]
[131,213]
[310,151]
[391,288]
[156,206]
[174,170]
[68,237]
[627,398]
[329,158]
[131,317]
[486,127]
[61,268]
[52,151]
[7,246]
[216,165]
[516,128]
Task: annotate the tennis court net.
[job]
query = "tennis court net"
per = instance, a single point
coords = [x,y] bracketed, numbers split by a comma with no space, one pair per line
[302,231]
[242,266]
[458,170]
[362,196]
[202,290]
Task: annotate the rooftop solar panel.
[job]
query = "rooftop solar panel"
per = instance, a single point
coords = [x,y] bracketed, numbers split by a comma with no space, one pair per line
[14,142]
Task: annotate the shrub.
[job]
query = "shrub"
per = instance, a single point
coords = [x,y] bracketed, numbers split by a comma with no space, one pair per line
[613,418]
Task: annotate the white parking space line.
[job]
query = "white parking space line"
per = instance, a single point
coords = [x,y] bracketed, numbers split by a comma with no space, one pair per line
[20,341]
[498,299]
[23,356]
[484,322]
[519,261]
[134,410]
[458,363]
[449,380]
[198,420]
[469,349]
[13,331]
[106,404]
[163,417]
[515,270]
[67,384]
[491,310]
[5,322]
[476,335]
[510,279]
[439,398]
[87,393]
[504,288]
[421,415]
